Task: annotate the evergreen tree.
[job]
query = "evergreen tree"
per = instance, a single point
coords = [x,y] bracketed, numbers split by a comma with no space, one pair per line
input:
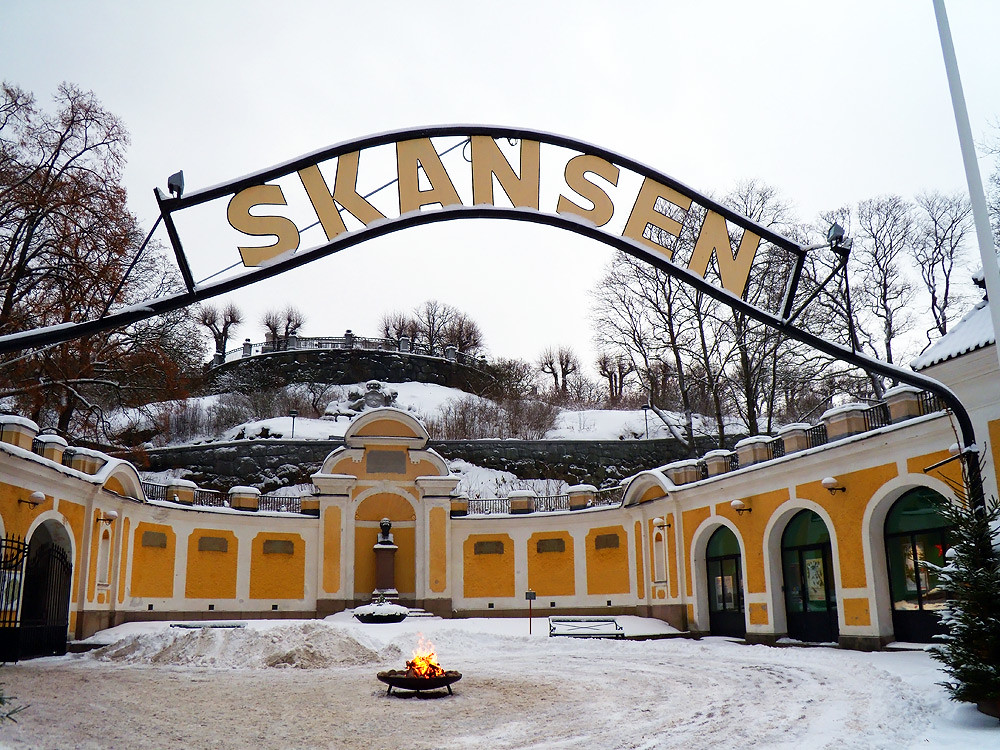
[971,576]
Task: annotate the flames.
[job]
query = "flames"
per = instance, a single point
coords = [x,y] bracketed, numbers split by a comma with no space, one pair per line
[424,661]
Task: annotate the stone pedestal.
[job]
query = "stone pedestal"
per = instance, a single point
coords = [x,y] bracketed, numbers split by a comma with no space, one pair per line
[385,572]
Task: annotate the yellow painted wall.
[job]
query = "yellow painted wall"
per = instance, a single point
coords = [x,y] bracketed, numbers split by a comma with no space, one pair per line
[398,510]
[404,538]
[438,542]
[551,573]
[856,612]
[95,538]
[607,569]
[115,485]
[73,513]
[950,472]
[994,432]
[758,613]
[847,511]
[277,576]
[692,519]
[488,575]
[331,550]
[750,527]
[672,555]
[211,574]
[125,523]
[383,427]
[640,577]
[18,517]
[153,567]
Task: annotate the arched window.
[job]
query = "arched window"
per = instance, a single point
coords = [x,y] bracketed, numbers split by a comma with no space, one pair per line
[915,534]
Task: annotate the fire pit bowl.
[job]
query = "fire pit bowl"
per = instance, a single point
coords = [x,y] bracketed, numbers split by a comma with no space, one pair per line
[402,679]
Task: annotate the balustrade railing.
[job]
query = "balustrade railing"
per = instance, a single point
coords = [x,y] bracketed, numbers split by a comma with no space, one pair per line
[817,435]
[296,343]
[877,416]
[489,506]
[930,403]
[280,504]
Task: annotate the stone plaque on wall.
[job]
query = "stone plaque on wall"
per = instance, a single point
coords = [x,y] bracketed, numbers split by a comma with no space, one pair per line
[385,462]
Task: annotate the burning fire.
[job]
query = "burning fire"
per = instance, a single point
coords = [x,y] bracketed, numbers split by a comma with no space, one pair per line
[424,661]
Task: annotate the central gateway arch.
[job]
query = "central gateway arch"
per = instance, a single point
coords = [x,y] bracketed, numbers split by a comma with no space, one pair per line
[577,186]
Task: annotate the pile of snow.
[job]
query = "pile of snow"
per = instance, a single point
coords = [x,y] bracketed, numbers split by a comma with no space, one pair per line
[301,644]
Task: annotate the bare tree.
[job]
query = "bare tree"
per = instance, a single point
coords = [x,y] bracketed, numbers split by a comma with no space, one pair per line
[940,233]
[219,323]
[559,363]
[886,293]
[463,333]
[433,319]
[616,369]
[394,325]
[69,252]
[282,325]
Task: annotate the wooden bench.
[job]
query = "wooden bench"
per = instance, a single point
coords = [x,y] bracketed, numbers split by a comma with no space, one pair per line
[586,627]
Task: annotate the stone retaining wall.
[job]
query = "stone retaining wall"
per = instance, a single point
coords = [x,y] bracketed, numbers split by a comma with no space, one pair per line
[273,463]
[343,367]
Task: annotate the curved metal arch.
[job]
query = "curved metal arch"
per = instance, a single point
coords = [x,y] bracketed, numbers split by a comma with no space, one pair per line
[194,294]
[54,334]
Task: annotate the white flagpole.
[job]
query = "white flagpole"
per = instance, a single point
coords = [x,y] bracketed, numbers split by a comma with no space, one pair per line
[980,214]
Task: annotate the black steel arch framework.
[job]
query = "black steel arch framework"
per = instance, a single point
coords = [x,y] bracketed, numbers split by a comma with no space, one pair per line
[198,293]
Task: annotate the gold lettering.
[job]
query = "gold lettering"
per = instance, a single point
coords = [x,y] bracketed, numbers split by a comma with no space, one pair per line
[714,238]
[283,229]
[322,201]
[644,213]
[345,190]
[488,160]
[410,157]
[576,180]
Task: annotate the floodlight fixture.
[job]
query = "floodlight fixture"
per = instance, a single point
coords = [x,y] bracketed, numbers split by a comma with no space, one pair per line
[175,184]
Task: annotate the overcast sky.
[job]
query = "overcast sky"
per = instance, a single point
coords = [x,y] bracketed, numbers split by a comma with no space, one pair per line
[830,103]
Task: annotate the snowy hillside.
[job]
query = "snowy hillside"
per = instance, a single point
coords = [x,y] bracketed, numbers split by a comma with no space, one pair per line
[425,400]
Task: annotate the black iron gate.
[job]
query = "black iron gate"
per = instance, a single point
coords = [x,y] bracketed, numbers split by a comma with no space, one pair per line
[34,599]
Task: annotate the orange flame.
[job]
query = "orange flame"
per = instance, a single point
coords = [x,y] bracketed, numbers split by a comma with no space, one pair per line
[424,661]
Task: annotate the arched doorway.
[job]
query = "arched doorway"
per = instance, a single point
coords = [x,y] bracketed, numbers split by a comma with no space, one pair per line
[915,532]
[807,567]
[45,603]
[725,584]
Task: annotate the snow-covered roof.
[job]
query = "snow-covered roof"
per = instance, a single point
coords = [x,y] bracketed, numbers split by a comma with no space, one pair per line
[972,332]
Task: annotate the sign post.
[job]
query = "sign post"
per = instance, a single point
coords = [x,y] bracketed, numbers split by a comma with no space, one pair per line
[530,596]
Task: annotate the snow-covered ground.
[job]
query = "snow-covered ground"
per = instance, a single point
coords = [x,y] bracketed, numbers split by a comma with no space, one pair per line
[312,684]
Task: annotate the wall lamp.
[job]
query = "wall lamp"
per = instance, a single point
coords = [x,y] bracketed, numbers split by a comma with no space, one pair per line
[109,518]
[832,484]
[35,499]
[740,507]
[659,523]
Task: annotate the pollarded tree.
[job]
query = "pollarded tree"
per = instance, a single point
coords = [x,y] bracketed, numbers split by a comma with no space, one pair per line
[559,362]
[282,325]
[220,323]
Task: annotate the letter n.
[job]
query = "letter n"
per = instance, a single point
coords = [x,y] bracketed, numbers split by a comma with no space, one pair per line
[734,270]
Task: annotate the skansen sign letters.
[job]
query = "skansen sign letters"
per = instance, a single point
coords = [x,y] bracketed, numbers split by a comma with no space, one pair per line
[657,211]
